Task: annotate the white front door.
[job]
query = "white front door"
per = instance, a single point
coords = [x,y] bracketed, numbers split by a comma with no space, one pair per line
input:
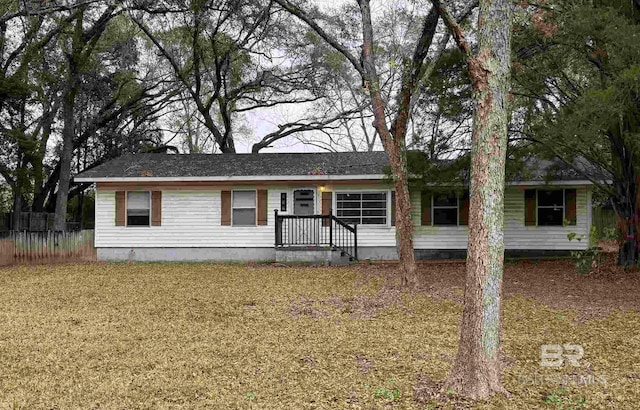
[304,231]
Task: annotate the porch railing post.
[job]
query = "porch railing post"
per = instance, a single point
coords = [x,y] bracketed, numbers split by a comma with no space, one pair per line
[355,241]
[277,230]
[330,230]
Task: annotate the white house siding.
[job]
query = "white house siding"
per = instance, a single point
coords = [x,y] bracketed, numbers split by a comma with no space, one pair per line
[517,236]
[189,219]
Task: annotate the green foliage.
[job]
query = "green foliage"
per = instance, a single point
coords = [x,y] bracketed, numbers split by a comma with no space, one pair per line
[6,198]
[578,88]
[428,173]
[587,260]
[562,401]
[387,392]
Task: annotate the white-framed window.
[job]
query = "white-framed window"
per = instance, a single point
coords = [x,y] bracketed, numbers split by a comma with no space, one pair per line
[551,207]
[243,208]
[365,208]
[138,208]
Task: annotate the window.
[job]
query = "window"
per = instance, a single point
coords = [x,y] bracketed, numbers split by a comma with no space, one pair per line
[367,208]
[550,207]
[138,208]
[244,208]
[445,209]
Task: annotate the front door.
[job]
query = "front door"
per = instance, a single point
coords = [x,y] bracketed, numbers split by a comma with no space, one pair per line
[303,200]
[304,230]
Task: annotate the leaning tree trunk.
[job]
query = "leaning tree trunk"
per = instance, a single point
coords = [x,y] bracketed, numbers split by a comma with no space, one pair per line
[394,145]
[476,371]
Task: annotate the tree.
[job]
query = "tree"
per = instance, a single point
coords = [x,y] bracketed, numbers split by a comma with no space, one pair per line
[392,133]
[81,41]
[234,57]
[577,81]
[476,371]
[117,99]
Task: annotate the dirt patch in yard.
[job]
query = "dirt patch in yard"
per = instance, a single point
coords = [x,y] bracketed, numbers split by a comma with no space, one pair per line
[554,283]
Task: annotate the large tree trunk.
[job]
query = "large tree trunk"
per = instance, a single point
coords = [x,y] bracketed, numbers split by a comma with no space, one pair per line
[627,207]
[476,372]
[17,209]
[66,155]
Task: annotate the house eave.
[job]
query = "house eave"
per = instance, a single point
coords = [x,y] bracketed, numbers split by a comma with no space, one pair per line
[243,178]
[551,183]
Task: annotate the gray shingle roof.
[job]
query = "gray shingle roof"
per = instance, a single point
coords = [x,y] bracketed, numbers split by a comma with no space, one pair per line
[536,169]
[294,164]
[213,165]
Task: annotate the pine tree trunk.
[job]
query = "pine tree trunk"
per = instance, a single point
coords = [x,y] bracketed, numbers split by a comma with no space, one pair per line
[476,372]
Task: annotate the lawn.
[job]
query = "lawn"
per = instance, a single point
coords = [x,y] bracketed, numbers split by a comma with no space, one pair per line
[118,336]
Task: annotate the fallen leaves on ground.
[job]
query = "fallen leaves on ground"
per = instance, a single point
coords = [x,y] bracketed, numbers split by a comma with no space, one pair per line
[236,337]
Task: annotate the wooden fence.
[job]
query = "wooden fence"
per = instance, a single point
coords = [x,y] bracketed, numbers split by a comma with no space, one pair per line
[605,221]
[46,247]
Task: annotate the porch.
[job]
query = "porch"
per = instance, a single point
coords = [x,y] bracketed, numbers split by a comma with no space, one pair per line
[315,238]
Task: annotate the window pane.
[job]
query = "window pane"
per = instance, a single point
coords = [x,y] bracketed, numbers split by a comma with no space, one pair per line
[374,221]
[351,221]
[374,212]
[137,220]
[138,212]
[244,199]
[348,212]
[445,200]
[347,204]
[138,200]
[378,196]
[376,204]
[550,216]
[445,216]
[348,197]
[244,217]
[550,198]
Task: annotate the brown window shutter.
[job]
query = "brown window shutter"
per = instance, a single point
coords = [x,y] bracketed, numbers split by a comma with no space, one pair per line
[121,208]
[393,208]
[225,208]
[463,209]
[570,203]
[156,208]
[262,206]
[530,207]
[326,207]
[425,202]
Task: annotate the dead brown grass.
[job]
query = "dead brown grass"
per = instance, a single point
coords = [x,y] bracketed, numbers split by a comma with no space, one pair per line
[234,337]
